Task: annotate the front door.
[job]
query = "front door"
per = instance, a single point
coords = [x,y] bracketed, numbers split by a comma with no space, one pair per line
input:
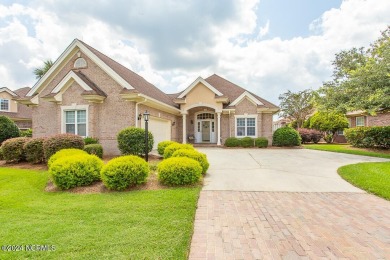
[206,131]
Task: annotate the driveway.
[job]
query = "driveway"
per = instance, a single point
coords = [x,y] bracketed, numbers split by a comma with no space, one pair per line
[294,170]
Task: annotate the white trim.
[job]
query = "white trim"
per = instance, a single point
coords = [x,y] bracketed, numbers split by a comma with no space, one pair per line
[64,82]
[198,135]
[193,84]
[9,105]
[8,91]
[159,103]
[356,120]
[74,107]
[245,116]
[200,104]
[249,96]
[88,53]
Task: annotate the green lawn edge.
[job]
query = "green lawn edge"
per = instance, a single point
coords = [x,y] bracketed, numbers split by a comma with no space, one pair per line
[342,148]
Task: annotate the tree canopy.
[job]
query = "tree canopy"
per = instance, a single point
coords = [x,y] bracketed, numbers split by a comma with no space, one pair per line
[39,72]
[328,121]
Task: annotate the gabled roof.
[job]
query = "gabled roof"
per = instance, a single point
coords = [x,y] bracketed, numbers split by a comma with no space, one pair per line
[4,89]
[22,92]
[196,82]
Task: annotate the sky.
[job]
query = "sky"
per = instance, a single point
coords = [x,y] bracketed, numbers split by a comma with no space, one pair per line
[265,46]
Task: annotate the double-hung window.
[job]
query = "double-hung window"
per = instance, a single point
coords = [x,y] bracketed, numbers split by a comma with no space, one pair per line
[4,104]
[360,121]
[246,126]
[76,122]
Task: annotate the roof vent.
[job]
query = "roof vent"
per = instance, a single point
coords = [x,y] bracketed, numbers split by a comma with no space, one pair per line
[80,63]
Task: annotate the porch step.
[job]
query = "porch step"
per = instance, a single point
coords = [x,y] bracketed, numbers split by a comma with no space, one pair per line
[206,145]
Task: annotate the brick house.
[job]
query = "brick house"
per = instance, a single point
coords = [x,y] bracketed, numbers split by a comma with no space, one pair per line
[18,113]
[89,94]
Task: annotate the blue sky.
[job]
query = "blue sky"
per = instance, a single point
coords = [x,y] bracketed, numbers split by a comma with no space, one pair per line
[266,46]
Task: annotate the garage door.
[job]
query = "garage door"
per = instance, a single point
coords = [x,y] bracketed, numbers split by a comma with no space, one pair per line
[160,128]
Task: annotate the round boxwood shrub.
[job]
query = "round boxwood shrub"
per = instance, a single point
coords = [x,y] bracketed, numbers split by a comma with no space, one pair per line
[179,171]
[123,172]
[247,142]
[261,142]
[96,149]
[232,142]
[58,142]
[170,149]
[162,145]
[131,140]
[1,154]
[13,149]
[193,154]
[286,136]
[34,150]
[8,129]
[75,171]
[65,153]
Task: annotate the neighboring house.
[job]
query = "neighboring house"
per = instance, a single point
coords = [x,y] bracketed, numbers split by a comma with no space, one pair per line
[18,113]
[282,122]
[89,94]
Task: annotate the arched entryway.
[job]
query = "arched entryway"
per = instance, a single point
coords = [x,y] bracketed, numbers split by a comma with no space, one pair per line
[205,130]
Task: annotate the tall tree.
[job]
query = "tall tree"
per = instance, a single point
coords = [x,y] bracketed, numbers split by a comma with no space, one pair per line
[39,72]
[297,106]
[328,121]
[361,79]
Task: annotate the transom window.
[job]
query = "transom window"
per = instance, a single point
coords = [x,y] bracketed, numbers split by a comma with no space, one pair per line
[360,121]
[76,122]
[246,126]
[205,116]
[4,104]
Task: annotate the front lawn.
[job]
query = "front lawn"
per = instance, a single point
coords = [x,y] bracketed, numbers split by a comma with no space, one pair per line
[153,224]
[345,148]
[371,177]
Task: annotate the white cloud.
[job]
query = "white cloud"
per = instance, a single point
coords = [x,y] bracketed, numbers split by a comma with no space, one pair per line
[263,30]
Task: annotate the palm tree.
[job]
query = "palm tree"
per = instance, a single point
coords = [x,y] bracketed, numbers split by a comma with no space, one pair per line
[39,72]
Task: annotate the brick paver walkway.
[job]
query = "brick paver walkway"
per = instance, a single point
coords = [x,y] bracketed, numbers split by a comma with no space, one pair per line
[282,225]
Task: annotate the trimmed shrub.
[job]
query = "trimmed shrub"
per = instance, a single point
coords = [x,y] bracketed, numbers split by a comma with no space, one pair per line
[123,172]
[310,135]
[58,142]
[96,149]
[247,142]
[369,137]
[65,153]
[328,138]
[179,171]
[286,136]
[232,142]
[131,140]
[91,140]
[8,129]
[26,133]
[170,149]
[75,171]
[162,145]
[261,142]
[13,149]
[201,158]
[1,154]
[34,150]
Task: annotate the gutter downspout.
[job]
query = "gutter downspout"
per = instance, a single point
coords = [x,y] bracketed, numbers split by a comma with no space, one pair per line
[136,111]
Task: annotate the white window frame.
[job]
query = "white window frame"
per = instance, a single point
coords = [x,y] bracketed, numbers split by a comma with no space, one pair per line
[74,107]
[356,121]
[245,116]
[340,132]
[9,104]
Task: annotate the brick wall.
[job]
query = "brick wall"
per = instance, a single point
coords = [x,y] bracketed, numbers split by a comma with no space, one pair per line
[382,119]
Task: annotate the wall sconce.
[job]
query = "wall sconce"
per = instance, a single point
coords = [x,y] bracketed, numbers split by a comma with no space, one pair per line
[192,122]
[173,123]
[139,116]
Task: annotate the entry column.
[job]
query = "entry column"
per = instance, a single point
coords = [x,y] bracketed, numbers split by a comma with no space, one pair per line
[219,128]
[184,128]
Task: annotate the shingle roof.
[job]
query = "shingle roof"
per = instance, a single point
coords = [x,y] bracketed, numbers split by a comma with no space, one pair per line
[24,112]
[22,92]
[135,80]
[95,89]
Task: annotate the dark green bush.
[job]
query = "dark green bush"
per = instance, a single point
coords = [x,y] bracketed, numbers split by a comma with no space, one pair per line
[1,154]
[162,145]
[179,171]
[369,137]
[8,129]
[232,142]
[91,140]
[170,149]
[75,171]
[13,149]
[58,142]
[123,172]
[96,149]
[26,133]
[65,153]
[193,154]
[286,136]
[34,150]
[247,142]
[131,140]
[328,137]
[261,142]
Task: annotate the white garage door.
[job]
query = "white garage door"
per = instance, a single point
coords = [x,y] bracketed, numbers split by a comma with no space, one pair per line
[160,128]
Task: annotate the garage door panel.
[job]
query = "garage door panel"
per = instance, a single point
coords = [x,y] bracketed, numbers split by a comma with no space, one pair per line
[160,128]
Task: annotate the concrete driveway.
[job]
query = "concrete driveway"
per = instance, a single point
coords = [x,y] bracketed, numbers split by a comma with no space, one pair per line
[294,170]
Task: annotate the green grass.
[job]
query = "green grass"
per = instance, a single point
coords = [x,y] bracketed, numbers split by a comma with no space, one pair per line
[119,225]
[371,177]
[343,148]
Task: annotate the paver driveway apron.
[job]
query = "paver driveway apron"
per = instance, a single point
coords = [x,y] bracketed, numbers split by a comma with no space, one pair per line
[296,170]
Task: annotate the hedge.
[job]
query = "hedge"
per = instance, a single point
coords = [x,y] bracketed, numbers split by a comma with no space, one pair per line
[247,142]
[310,135]
[8,129]
[64,153]
[91,140]
[193,154]
[123,172]
[34,150]
[179,171]
[170,149]
[232,142]
[286,136]
[13,149]
[131,140]
[162,145]
[369,137]
[58,142]
[1,154]
[261,142]
[96,149]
